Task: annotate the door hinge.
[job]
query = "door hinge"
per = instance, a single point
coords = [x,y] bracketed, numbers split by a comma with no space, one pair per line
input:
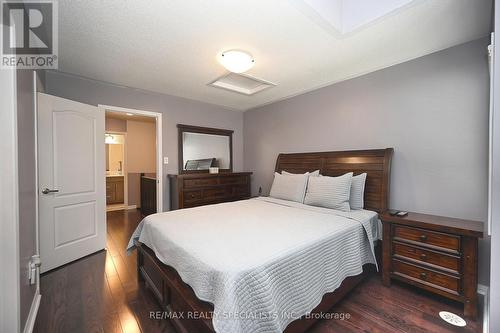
[34,263]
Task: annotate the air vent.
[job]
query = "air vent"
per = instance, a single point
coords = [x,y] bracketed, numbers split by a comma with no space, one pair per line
[241,83]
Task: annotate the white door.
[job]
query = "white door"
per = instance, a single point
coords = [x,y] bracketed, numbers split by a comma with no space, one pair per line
[71,180]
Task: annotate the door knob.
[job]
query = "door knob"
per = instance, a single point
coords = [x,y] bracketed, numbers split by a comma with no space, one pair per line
[47,191]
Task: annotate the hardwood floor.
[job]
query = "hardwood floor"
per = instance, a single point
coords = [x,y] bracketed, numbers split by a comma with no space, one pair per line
[100,293]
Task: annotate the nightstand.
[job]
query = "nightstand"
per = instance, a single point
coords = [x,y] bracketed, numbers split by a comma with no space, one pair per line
[435,253]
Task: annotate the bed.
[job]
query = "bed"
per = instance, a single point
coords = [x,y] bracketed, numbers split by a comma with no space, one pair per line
[264,264]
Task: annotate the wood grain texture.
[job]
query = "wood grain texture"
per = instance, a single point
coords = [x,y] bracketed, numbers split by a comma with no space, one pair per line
[100,293]
[376,163]
[198,189]
[435,253]
[148,195]
[115,190]
[439,223]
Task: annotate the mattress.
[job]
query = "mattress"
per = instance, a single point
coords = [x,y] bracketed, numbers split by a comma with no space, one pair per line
[261,262]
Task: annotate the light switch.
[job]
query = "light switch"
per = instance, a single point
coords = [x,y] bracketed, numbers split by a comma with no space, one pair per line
[165,160]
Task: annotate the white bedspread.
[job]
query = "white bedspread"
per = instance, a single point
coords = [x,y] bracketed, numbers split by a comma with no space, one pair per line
[261,262]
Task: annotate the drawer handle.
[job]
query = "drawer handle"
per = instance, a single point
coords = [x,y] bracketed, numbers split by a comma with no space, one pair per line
[423,256]
[423,238]
[423,276]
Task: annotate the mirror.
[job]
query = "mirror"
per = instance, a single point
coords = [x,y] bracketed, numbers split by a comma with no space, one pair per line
[115,153]
[201,148]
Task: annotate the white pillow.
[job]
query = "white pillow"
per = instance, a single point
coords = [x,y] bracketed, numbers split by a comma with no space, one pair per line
[329,192]
[311,174]
[356,200]
[289,187]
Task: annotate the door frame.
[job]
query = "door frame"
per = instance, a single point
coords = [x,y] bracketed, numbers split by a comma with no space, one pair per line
[9,204]
[159,149]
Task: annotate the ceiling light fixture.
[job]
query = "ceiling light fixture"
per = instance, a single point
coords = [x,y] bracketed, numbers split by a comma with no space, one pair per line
[109,139]
[129,114]
[236,61]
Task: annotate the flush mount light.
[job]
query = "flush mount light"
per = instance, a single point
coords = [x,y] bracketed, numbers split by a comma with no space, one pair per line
[236,61]
[129,114]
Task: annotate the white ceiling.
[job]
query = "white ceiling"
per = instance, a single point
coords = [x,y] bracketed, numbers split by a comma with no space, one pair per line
[171,46]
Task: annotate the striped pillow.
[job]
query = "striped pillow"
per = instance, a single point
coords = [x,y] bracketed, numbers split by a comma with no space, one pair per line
[289,187]
[356,200]
[329,192]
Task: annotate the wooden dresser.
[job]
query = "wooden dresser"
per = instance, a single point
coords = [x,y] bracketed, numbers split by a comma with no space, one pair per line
[438,254]
[148,194]
[198,189]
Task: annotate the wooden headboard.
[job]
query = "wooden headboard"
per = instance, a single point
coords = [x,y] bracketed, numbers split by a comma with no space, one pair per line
[376,163]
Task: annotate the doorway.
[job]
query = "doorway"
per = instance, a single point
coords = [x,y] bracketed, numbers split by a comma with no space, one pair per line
[71,154]
[116,170]
[133,160]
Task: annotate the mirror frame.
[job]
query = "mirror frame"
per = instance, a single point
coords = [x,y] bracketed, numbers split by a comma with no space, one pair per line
[203,130]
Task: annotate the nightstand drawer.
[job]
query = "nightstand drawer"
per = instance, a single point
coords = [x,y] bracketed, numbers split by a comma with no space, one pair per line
[422,256]
[435,253]
[419,274]
[427,238]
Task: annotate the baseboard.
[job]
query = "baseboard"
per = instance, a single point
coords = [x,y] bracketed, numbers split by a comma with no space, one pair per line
[30,322]
[114,208]
[130,207]
[484,291]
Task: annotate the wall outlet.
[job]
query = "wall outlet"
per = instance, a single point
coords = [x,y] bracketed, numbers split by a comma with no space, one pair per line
[165,160]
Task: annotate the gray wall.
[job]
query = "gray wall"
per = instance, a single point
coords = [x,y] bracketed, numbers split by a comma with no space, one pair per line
[495,234]
[27,186]
[175,110]
[432,110]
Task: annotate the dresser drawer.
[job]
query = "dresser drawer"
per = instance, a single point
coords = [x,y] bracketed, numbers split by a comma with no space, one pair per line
[191,190]
[241,191]
[419,274]
[427,238]
[217,193]
[192,195]
[200,182]
[422,256]
[233,180]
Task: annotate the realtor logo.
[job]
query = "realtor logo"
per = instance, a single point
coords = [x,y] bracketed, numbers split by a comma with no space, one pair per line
[29,34]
